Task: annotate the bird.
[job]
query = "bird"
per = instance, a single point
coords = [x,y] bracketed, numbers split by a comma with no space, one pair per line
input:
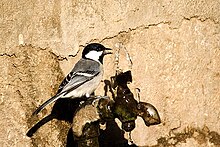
[85,76]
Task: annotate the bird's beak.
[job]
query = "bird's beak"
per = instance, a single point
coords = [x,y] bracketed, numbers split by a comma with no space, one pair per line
[107,51]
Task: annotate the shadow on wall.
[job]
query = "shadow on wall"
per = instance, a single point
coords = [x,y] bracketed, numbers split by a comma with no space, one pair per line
[111,136]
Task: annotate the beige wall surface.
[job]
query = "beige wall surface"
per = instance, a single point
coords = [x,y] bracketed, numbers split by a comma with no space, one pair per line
[174,47]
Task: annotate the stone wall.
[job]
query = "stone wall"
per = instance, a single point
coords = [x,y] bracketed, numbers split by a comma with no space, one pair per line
[174,47]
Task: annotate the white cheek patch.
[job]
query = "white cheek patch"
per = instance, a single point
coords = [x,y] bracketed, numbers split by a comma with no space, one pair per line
[94,55]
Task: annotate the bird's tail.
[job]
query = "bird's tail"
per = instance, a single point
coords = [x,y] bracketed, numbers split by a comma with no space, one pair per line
[39,124]
[41,107]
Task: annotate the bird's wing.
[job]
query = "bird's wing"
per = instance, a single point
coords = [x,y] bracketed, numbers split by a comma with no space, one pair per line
[82,72]
[73,80]
[79,78]
[69,84]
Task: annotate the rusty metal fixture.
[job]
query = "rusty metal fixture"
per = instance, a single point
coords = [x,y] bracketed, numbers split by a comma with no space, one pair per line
[125,104]
[124,107]
[148,113]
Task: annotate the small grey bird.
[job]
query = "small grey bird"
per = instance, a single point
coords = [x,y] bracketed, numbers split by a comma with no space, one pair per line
[84,77]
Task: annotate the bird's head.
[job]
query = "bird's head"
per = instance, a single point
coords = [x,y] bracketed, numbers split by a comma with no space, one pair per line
[95,51]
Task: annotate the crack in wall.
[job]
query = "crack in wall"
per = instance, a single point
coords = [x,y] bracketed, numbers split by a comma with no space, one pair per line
[200,19]
[59,57]
[127,31]
[151,25]
[8,55]
[132,29]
